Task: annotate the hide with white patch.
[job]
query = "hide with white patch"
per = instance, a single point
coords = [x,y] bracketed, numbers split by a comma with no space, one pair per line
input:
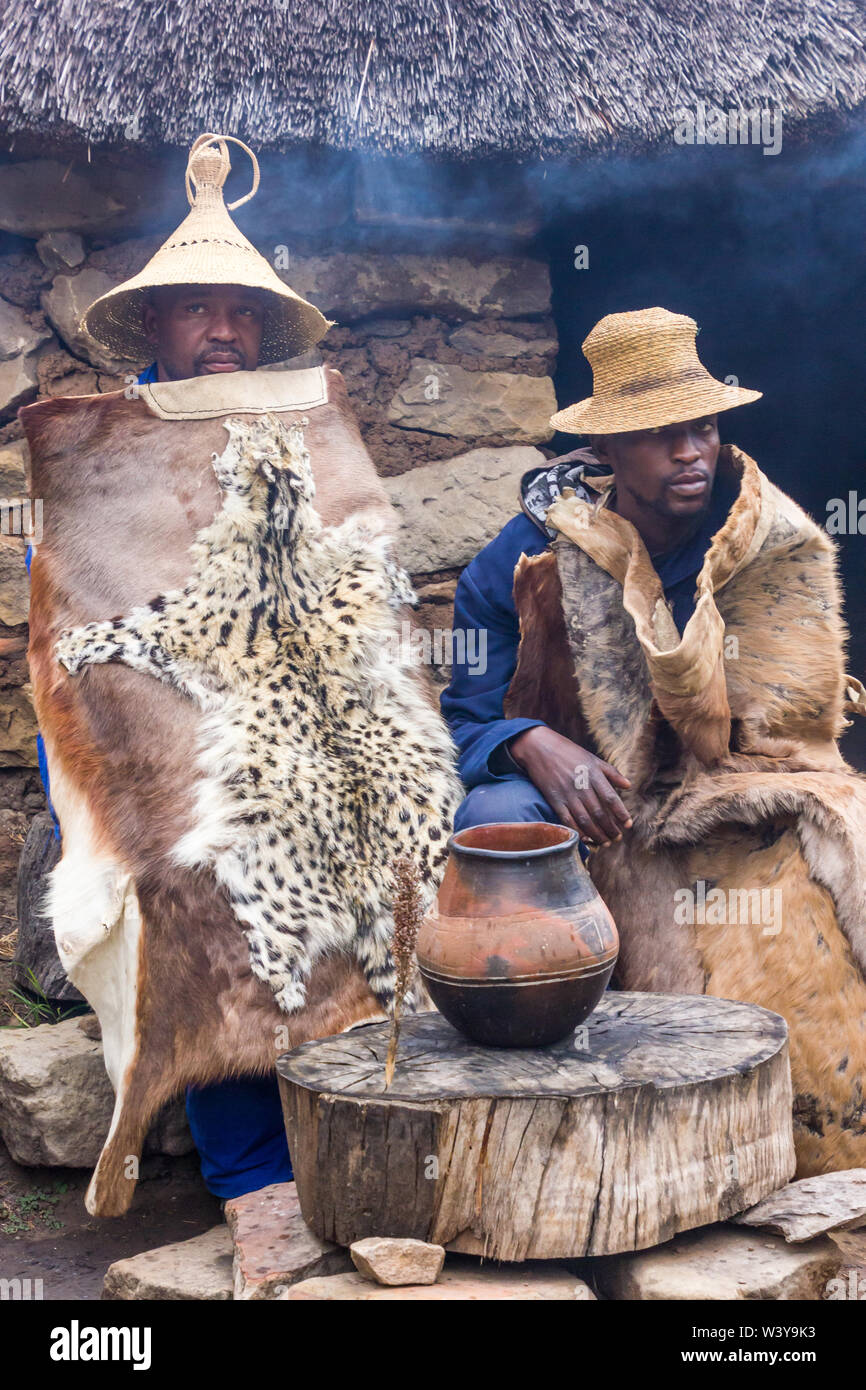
[223,892]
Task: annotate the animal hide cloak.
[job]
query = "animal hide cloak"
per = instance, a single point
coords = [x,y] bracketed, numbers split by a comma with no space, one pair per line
[243,752]
[744,875]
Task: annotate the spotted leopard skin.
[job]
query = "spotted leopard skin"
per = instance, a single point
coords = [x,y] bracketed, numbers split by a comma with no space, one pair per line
[322,760]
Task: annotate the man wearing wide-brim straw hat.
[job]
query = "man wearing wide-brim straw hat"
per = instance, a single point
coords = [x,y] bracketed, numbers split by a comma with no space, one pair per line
[666,674]
[652,420]
[208,304]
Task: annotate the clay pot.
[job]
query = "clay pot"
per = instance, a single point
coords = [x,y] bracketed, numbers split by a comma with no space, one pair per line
[519,946]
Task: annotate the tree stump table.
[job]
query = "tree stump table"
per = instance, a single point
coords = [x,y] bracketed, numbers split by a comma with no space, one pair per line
[664,1112]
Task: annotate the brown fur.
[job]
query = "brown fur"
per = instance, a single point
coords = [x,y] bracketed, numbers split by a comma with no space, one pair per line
[736,777]
[545,665]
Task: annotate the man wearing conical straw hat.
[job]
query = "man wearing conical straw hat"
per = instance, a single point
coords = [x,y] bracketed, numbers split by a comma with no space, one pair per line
[185,904]
[244,316]
[666,675]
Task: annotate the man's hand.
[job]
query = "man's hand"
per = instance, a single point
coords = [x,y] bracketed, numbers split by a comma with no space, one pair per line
[578,786]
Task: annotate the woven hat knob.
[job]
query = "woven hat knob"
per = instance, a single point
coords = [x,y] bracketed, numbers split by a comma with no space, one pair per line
[208,168]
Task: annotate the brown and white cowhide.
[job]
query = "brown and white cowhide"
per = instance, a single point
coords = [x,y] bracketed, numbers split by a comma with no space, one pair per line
[223,889]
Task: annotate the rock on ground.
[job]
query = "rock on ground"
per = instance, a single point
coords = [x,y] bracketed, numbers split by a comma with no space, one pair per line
[273,1246]
[199,1269]
[530,1282]
[812,1206]
[56,1100]
[397,1261]
[449,510]
[722,1263]
[447,399]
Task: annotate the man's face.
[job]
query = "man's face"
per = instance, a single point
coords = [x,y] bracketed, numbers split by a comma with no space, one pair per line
[201,330]
[669,470]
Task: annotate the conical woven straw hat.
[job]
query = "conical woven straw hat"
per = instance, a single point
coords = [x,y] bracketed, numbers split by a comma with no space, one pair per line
[645,373]
[207,249]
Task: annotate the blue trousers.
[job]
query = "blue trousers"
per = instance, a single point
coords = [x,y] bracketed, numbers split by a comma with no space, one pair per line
[238,1125]
[238,1130]
[513,799]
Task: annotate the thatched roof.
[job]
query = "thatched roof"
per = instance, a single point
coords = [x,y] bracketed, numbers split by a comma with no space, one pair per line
[455,77]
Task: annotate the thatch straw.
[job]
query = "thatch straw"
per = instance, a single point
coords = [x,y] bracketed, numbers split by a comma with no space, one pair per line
[477,77]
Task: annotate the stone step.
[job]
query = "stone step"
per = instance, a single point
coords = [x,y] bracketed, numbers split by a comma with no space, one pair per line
[535,1281]
[197,1269]
[273,1247]
[812,1206]
[721,1263]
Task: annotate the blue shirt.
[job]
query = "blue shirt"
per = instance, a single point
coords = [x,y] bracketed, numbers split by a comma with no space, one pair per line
[149,374]
[473,701]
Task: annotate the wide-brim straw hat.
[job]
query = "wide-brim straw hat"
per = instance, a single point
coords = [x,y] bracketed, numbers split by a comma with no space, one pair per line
[646,373]
[208,249]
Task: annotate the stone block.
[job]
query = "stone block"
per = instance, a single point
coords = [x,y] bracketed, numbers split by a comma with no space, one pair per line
[722,1263]
[447,399]
[526,1283]
[64,304]
[273,1246]
[18,337]
[56,1100]
[199,1269]
[19,382]
[47,195]
[449,510]
[470,338]
[14,584]
[59,251]
[17,729]
[13,829]
[812,1206]
[397,1261]
[348,286]
[14,465]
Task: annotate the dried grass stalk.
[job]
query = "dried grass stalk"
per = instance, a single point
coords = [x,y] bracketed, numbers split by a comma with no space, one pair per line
[408,915]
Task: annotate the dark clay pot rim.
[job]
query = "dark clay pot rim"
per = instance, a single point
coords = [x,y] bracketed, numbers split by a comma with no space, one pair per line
[479,852]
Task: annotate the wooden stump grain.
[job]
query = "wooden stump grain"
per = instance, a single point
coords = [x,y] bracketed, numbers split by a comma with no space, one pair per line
[666,1113]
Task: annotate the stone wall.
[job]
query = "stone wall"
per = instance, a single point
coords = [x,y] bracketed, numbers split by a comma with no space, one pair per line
[448,362]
